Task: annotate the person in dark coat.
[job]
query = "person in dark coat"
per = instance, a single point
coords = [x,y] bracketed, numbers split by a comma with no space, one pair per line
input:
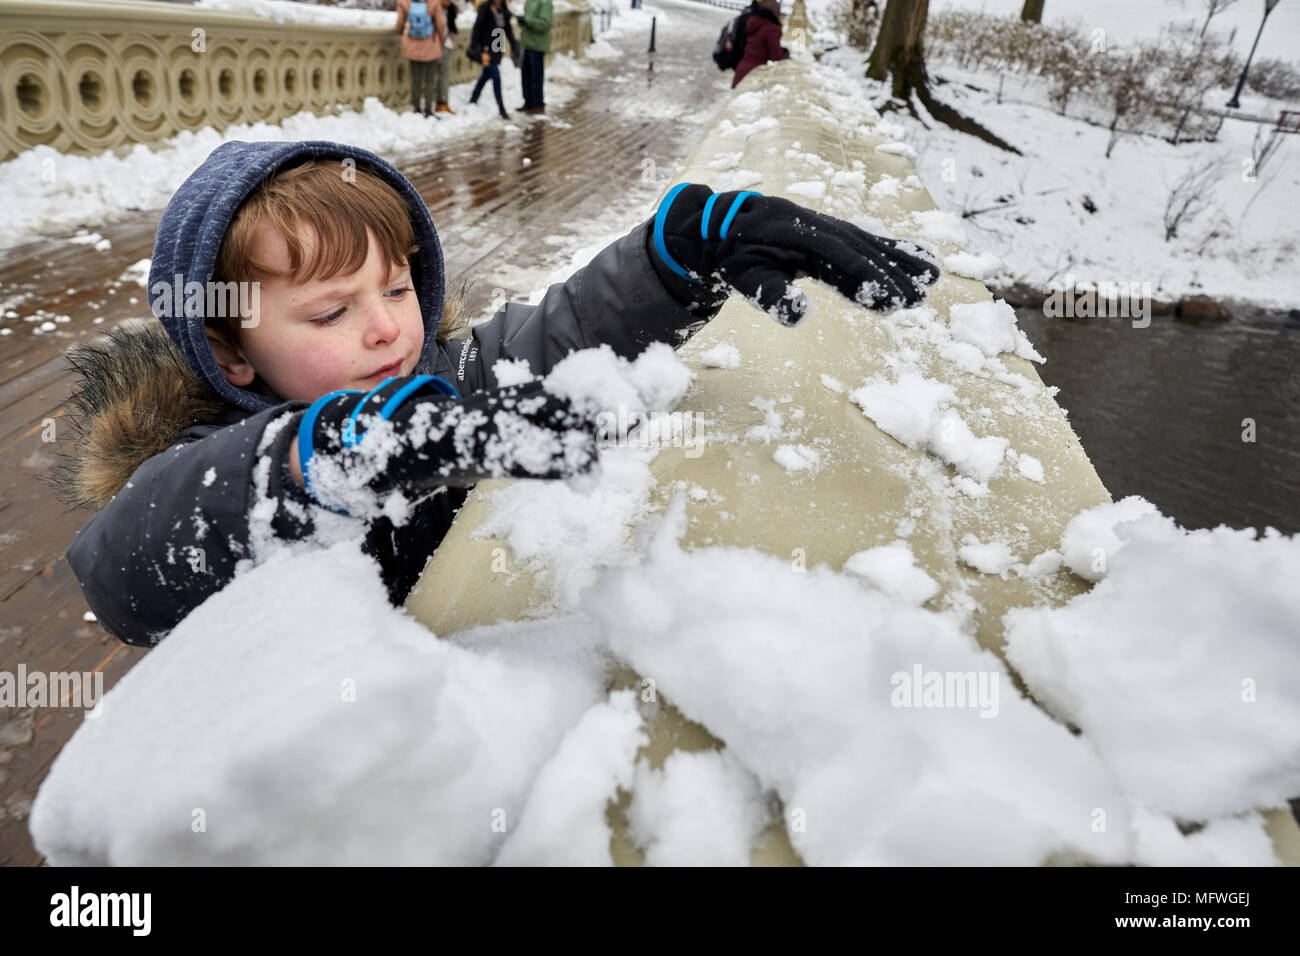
[210,438]
[492,32]
[762,39]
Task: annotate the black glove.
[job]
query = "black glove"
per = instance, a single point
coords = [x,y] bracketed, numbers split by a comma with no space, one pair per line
[414,434]
[759,244]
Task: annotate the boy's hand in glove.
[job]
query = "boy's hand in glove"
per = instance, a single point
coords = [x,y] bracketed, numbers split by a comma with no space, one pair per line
[759,244]
[414,434]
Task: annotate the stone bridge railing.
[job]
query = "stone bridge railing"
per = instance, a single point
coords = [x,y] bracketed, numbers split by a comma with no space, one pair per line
[87,77]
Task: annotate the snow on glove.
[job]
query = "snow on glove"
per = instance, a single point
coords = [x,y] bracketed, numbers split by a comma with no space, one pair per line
[759,244]
[414,434]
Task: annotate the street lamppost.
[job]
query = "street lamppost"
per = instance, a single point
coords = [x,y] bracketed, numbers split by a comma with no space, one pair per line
[1235,102]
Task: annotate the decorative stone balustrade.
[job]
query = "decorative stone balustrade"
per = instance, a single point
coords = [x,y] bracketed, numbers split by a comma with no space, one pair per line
[87,77]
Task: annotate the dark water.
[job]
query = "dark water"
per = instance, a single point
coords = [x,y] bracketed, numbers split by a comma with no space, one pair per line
[1159,410]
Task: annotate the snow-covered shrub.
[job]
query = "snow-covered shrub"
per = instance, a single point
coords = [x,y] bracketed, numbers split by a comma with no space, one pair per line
[1128,97]
[1155,87]
[1066,60]
[1186,66]
[1190,195]
[1276,79]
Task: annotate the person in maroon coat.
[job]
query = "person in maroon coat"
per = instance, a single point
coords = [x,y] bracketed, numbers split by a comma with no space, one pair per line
[762,38]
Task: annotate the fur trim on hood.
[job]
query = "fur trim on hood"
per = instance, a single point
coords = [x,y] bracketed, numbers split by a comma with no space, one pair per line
[135,397]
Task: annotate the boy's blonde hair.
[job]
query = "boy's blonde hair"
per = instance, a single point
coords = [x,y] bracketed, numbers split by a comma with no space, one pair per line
[315,194]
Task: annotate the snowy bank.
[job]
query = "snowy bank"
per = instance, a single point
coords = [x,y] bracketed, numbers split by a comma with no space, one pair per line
[1063,216]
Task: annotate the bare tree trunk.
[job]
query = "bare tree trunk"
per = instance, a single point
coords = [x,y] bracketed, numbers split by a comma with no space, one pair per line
[900,44]
[900,53]
[1032,12]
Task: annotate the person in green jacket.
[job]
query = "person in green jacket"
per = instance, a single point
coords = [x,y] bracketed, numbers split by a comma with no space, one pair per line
[535,38]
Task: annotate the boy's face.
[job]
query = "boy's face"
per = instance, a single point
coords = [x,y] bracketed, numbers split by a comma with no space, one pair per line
[309,339]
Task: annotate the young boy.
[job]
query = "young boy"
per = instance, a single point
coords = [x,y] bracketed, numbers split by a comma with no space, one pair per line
[336,397]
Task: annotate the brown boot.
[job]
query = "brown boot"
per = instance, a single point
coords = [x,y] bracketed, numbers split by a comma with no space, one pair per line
[444,108]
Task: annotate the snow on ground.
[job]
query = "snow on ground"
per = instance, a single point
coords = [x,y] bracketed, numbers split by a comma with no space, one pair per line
[1030,211]
[1125,20]
[93,190]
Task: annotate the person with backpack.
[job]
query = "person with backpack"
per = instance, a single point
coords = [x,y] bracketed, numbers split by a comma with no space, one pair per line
[491,27]
[423,28]
[761,33]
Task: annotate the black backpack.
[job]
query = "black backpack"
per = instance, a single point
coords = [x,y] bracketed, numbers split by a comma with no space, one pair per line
[731,42]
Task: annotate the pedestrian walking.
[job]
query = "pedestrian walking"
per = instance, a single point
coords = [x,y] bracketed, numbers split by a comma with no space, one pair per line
[491,34]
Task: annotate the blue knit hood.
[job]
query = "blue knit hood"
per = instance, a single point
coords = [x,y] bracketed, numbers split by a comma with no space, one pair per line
[198,215]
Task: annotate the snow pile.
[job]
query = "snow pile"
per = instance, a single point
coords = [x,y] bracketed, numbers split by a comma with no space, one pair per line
[1043,565]
[887,735]
[892,570]
[992,557]
[897,149]
[563,822]
[887,187]
[940,225]
[915,410]
[1182,665]
[1029,466]
[797,457]
[700,809]
[810,189]
[276,718]
[1090,540]
[808,677]
[567,531]
[743,131]
[603,381]
[991,328]
[722,355]
[972,265]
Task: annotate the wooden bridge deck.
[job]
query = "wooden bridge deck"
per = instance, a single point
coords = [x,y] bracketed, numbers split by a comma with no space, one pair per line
[493,210]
